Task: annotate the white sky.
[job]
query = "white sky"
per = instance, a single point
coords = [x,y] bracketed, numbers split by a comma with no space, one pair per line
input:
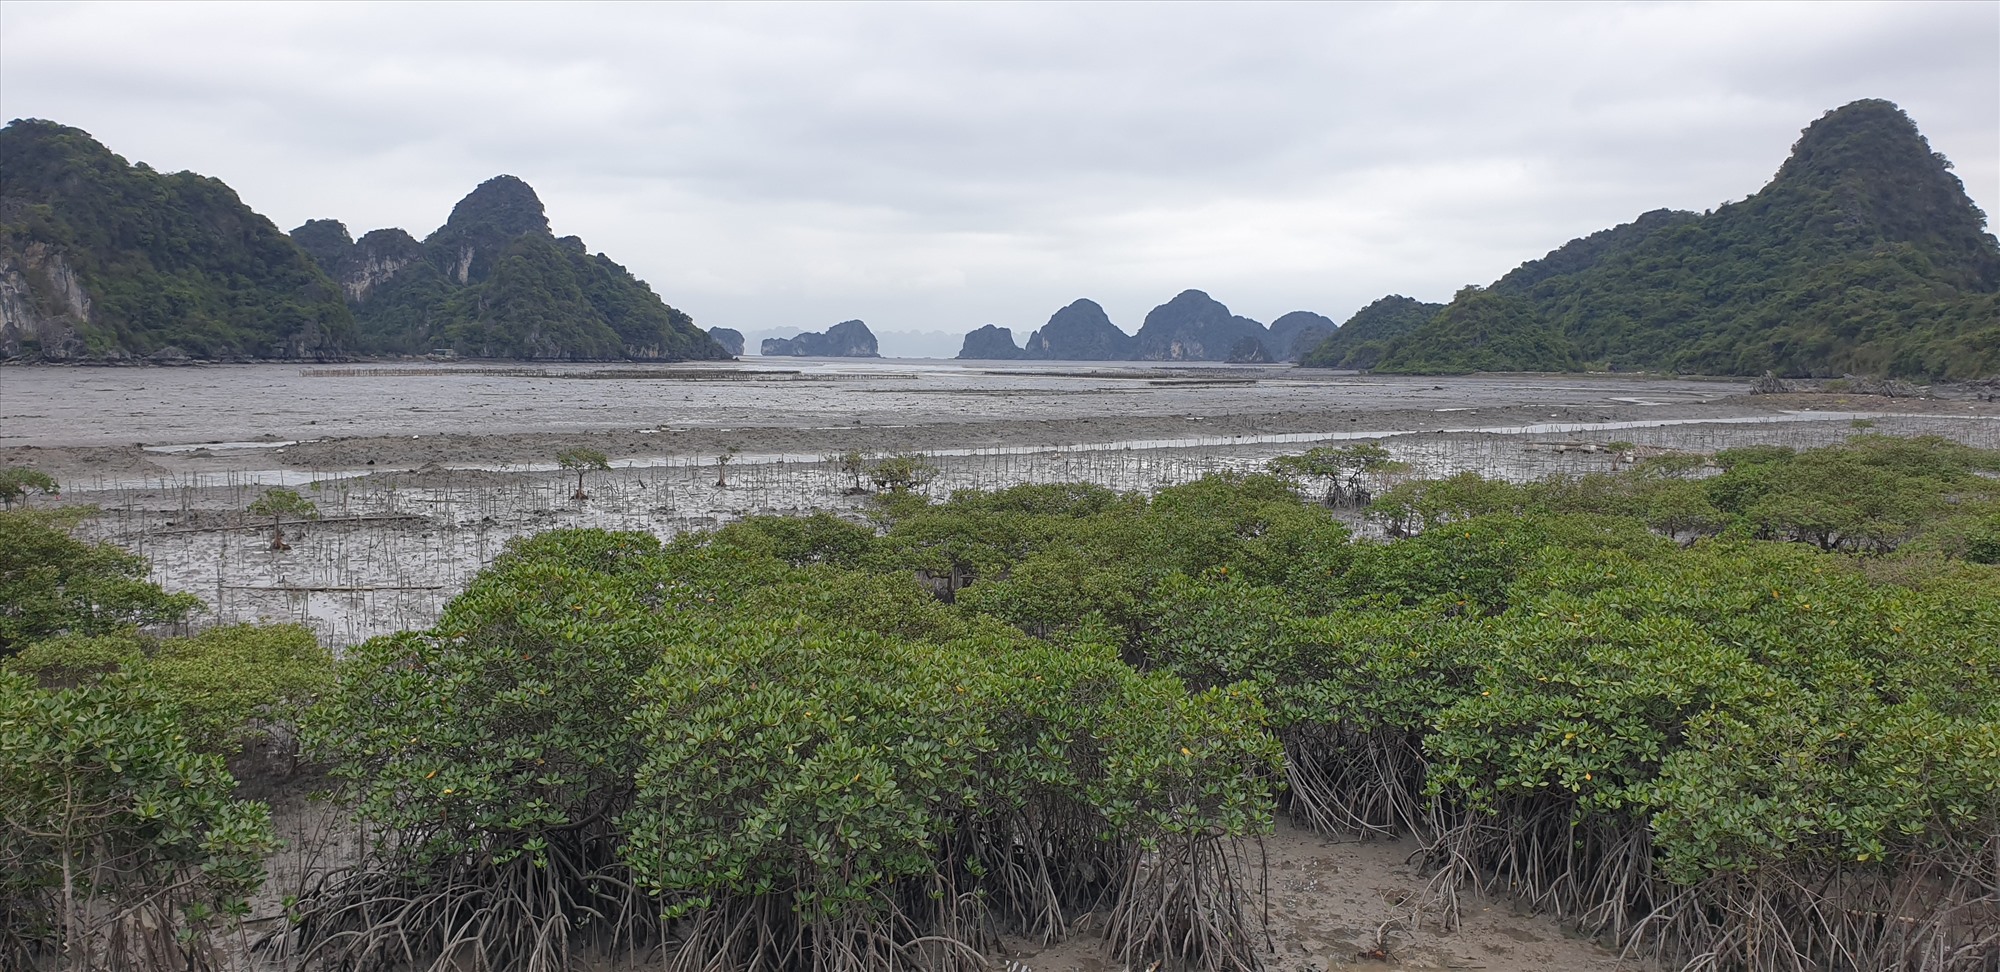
[938,167]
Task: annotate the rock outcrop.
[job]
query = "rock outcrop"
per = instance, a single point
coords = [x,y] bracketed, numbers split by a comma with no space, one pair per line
[730,338]
[44,309]
[847,339]
[1080,332]
[990,343]
[105,260]
[359,267]
[493,282]
[1194,327]
[1296,333]
[1249,351]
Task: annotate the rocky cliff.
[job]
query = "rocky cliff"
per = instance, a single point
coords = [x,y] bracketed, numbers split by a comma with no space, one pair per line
[493,282]
[1195,327]
[1079,332]
[990,343]
[847,339]
[1296,333]
[730,338]
[105,260]
[1249,350]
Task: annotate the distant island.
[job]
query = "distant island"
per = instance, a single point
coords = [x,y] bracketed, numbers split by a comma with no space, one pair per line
[847,339]
[1191,327]
[729,338]
[990,343]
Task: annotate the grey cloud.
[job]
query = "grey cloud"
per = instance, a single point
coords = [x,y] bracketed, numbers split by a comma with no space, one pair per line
[939,167]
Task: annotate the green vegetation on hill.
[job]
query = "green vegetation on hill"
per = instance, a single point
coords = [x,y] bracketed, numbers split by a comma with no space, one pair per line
[493,283]
[103,260]
[118,260]
[1367,336]
[1863,255]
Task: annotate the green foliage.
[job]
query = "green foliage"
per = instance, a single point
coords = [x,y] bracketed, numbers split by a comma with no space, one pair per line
[1482,329]
[1341,468]
[1362,341]
[1565,694]
[788,761]
[741,724]
[494,283]
[280,502]
[853,464]
[224,685]
[490,756]
[1047,499]
[1873,494]
[1982,541]
[232,680]
[1863,255]
[1050,590]
[582,460]
[166,261]
[1471,565]
[820,538]
[901,473]
[506,719]
[1195,526]
[16,482]
[122,847]
[1609,666]
[799,737]
[72,658]
[1303,551]
[51,583]
[1415,507]
[804,763]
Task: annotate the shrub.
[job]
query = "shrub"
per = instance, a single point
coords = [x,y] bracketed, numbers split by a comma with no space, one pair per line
[51,583]
[123,848]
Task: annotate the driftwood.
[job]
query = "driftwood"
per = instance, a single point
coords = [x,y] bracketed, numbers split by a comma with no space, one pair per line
[331,588]
[1771,384]
[373,518]
[1599,447]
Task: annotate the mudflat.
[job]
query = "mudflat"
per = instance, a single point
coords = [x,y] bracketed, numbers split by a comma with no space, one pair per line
[119,426]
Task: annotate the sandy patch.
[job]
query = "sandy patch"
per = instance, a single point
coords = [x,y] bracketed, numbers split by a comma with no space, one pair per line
[1330,897]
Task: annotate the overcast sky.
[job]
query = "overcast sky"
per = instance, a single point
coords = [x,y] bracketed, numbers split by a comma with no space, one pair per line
[941,167]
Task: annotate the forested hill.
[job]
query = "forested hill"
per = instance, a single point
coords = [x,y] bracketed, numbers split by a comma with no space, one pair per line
[1862,255]
[1368,335]
[101,259]
[493,282]
[105,260]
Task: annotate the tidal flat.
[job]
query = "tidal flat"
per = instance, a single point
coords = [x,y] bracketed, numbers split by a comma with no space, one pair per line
[421,473]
